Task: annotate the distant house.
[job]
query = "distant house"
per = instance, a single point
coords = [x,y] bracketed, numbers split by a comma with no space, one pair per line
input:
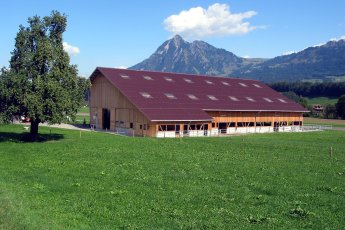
[157,104]
[318,109]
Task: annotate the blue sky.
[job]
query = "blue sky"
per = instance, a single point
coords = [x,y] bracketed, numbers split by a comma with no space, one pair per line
[123,33]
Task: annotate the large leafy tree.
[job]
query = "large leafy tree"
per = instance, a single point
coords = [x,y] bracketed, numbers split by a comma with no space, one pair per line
[41,83]
[2,100]
[341,107]
[330,111]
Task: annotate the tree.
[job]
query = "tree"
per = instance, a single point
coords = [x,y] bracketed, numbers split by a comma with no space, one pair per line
[330,111]
[41,83]
[2,100]
[341,107]
[293,96]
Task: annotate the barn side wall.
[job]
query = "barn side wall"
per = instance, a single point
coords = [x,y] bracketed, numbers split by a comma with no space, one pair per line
[255,117]
[108,103]
[233,123]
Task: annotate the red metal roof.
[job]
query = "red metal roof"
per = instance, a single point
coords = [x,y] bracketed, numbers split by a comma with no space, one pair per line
[184,97]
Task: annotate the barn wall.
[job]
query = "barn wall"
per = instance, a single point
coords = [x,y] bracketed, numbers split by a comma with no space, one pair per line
[232,123]
[123,114]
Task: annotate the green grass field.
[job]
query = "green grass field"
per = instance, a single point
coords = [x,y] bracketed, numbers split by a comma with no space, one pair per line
[103,181]
[321,100]
[319,121]
[84,109]
[83,113]
[80,119]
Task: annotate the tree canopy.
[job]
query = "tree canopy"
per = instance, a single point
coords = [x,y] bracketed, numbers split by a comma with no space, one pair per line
[40,82]
[293,96]
[307,89]
[341,106]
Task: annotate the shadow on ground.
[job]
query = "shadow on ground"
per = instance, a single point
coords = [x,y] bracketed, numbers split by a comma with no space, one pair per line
[25,137]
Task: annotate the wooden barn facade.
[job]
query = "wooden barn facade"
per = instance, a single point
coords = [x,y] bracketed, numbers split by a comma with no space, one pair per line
[157,104]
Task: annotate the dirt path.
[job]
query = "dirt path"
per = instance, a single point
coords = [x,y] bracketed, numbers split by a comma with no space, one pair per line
[67,126]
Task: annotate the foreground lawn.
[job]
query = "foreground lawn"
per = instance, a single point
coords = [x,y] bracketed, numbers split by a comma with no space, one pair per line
[102,181]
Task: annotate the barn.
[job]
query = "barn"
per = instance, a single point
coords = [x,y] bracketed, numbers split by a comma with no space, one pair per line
[158,104]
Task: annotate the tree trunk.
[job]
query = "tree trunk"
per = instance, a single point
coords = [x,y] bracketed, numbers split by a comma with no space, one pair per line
[34,129]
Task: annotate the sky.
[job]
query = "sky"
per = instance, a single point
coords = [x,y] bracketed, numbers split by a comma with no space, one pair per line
[112,33]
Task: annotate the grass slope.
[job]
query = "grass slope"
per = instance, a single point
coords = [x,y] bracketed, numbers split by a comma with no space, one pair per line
[102,181]
[319,121]
[322,100]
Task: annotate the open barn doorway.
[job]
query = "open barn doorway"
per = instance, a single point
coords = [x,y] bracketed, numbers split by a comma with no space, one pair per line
[106,119]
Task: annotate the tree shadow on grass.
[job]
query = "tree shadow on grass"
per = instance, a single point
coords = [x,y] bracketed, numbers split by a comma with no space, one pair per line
[25,137]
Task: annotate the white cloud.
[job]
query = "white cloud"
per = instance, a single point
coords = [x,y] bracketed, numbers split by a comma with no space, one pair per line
[289,52]
[216,20]
[246,56]
[71,50]
[121,67]
[342,37]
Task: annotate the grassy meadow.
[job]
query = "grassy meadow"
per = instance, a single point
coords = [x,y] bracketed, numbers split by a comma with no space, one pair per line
[84,109]
[103,181]
[319,121]
[80,119]
[321,100]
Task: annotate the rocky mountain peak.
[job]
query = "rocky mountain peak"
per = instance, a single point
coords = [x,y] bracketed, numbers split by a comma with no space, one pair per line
[178,40]
[198,57]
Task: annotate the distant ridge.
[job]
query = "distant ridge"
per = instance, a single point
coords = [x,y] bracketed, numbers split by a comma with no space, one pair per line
[318,62]
[179,56]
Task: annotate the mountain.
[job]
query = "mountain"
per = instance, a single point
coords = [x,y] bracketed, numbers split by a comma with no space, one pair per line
[198,57]
[318,62]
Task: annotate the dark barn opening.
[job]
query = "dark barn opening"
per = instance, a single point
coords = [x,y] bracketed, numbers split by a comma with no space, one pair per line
[106,118]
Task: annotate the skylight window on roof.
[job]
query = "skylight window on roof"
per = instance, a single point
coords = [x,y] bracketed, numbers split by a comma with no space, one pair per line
[213,98]
[146,95]
[125,76]
[169,79]
[267,99]
[225,83]
[282,100]
[148,78]
[192,96]
[209,82]
[250,99]
[242,84]
[170,96]
[257,86]
[187,80]
[233,98]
